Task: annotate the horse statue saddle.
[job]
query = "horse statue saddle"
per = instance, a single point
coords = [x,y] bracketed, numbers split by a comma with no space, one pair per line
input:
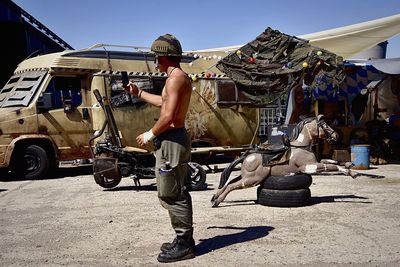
[274,154]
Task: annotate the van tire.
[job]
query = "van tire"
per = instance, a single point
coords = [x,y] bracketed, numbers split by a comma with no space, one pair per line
[290,182]
[35,163]
[284,198]
[198,177]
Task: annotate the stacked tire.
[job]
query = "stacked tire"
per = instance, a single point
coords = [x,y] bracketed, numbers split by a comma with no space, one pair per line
[285,191]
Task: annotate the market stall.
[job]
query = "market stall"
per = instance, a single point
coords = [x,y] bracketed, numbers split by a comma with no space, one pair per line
[314,81]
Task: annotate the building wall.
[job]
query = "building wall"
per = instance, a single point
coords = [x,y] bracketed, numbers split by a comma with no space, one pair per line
[21,37]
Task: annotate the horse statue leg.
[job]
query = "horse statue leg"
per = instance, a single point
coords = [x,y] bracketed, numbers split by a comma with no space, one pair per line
[347,165]
[317,167]
[252,174]
[221,194]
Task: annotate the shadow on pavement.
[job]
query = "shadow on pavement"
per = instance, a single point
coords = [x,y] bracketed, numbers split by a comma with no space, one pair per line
[150,187]
[217,169]
[358,174]
[339,198]
[220,241]
[372,176]
[72,171]
[4,175]
[233,203]
[61,172]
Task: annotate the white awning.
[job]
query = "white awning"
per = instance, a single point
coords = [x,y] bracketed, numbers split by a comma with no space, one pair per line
[388,66]
[350,40]
[346,41]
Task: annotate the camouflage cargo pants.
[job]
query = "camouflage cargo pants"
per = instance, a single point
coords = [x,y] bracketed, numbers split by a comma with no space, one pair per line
[172,176]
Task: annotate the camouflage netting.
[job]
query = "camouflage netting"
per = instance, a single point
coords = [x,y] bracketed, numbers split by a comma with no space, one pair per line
[269,66]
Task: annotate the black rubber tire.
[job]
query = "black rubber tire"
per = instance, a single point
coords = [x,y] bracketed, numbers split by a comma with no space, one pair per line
[198,177]
[290,182]
[106,172]
[32,162]
[108,183]
[284,198]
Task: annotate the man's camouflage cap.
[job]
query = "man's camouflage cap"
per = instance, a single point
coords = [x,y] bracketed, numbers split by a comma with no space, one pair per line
[167,45]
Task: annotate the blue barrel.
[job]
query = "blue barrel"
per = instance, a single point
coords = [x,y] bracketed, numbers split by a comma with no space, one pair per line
[360,157]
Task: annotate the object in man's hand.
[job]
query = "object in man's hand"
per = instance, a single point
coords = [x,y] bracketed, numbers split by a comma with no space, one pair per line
[125,79]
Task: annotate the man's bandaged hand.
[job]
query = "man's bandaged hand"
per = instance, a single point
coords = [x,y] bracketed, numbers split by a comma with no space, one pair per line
[148,136]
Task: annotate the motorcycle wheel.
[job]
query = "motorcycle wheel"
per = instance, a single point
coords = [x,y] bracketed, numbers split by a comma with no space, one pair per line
[197,177]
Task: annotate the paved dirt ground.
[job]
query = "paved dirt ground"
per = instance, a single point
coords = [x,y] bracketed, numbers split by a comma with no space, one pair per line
[72,221]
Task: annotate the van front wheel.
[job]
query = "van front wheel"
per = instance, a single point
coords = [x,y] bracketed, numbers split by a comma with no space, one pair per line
[32,163]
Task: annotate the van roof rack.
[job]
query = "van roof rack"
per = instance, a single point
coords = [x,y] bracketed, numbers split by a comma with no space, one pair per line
[139,54]
[135,48]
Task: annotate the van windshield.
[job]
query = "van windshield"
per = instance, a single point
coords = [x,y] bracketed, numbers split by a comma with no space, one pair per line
[21,89]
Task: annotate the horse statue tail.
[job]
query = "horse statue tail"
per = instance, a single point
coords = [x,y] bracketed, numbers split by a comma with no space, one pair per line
[227,171]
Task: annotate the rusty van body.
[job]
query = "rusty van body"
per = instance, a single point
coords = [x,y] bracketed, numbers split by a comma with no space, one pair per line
[48,110]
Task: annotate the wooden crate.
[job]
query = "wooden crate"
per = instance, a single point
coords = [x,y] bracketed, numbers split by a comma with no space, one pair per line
[341,155]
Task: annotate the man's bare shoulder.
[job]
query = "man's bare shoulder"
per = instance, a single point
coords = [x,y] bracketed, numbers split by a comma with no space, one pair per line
[180,74]
[178,78]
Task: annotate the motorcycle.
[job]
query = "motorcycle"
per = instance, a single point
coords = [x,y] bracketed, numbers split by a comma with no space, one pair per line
[112,161]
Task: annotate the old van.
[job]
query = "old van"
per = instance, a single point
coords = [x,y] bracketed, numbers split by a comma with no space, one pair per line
[48,111]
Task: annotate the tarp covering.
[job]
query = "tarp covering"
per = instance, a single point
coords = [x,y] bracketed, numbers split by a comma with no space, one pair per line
[359,75]
[349,40]
[385,97]
[273,63]
[357,78]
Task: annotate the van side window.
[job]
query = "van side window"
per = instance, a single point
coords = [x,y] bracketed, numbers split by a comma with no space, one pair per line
[21,89]
[119,98]
[65,88]
[228,94]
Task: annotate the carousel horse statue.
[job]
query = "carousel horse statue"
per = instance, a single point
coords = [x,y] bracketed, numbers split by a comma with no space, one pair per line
[295,156]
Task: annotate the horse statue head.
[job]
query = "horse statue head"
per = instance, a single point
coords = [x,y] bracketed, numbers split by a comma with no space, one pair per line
[310,130]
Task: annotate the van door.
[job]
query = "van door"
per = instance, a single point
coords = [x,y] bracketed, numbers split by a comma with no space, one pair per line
[133,115]
[66,116]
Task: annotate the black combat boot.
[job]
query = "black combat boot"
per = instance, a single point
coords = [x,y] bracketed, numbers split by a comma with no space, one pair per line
[179,249]
[168,245]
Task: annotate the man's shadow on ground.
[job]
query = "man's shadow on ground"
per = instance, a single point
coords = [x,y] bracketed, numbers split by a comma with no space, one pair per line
[249,233]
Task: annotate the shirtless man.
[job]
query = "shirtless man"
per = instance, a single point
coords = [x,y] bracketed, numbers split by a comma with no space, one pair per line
[173,147]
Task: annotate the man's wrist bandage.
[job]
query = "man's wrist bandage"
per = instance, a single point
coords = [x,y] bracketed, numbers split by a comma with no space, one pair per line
[148,136]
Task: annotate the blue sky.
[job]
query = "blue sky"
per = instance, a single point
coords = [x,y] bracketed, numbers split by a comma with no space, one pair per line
[200,24]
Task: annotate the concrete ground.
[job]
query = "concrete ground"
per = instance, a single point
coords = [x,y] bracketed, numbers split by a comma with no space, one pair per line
[70,220]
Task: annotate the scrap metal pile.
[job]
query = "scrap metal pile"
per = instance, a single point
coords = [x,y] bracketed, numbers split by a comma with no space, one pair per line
[268,67]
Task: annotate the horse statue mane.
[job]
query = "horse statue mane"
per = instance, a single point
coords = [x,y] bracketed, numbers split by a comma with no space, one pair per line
[299,127]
